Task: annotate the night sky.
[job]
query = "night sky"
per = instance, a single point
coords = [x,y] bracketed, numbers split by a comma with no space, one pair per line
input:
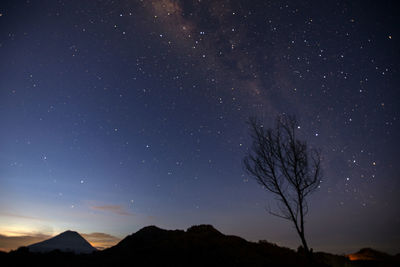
[116,115]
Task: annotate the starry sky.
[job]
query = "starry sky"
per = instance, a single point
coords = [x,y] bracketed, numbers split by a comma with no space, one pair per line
[116,115]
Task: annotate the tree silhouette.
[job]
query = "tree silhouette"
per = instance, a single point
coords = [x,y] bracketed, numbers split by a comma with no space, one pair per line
[286,167]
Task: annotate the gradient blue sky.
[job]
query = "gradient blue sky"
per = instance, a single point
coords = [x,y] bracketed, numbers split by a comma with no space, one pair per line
[116,115]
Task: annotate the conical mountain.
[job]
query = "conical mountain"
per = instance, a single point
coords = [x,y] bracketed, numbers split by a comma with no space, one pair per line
[68,241]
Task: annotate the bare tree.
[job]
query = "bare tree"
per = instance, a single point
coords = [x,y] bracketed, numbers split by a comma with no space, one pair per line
[286,167]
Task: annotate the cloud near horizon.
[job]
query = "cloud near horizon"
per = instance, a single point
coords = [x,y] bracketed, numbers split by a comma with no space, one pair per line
[8,243]
[19,216]
[101,240]
[117,209]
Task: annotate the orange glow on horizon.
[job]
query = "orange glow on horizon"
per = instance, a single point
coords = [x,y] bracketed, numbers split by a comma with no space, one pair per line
[359,257]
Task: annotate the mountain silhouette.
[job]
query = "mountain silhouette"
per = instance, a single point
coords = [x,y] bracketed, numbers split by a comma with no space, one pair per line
[199,245]
[68,241]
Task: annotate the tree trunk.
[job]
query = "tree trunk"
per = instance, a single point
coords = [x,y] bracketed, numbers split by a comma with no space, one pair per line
[307,251]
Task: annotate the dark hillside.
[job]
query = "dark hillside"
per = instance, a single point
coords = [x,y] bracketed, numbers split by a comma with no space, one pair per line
[200,245]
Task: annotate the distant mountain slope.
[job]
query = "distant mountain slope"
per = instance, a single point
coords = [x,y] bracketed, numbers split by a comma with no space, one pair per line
[68,241]
[369,254]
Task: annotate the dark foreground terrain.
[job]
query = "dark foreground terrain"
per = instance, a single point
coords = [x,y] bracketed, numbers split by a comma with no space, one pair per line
[198,246]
